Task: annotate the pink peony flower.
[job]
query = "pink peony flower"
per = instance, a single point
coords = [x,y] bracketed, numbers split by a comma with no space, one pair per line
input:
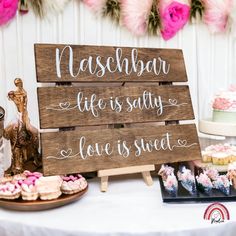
[173,17]
[8,9]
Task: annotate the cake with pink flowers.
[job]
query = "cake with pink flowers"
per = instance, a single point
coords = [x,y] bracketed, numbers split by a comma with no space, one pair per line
[224,106]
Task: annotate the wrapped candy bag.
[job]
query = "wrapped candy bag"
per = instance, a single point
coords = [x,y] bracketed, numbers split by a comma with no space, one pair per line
[171,185]
[204,183]
[169,179]
[222,183]
[187,180]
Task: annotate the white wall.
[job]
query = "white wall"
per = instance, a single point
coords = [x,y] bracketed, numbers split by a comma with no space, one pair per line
[210,60]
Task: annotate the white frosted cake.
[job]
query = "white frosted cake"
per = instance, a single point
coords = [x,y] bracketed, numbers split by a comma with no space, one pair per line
[224,106]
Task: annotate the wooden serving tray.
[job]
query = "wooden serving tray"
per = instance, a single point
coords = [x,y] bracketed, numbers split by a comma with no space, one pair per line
[183,195]
[39,205]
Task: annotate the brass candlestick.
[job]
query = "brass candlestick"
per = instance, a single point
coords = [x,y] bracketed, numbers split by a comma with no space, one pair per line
[22,135]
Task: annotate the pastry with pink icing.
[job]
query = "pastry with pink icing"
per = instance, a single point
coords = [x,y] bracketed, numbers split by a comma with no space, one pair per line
[29,192]
[49,187]
[220,154]
[224,106]
[10,190]
[28,188]
[73,184]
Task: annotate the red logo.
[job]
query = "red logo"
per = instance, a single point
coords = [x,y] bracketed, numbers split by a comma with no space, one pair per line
[216,213]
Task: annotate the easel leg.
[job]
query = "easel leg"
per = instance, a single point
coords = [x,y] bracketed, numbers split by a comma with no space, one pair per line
[104,183]
[147,178]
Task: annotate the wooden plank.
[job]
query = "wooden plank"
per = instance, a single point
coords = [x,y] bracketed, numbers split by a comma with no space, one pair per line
[84,151]
[75,106]
[81,63]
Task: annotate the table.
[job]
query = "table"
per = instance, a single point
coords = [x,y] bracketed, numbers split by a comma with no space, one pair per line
[128,208]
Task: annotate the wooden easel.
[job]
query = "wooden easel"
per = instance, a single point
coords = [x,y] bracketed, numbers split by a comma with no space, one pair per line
[144,170]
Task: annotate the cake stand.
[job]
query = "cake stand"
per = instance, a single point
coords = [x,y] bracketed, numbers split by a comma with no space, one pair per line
[226,132]
[215,128]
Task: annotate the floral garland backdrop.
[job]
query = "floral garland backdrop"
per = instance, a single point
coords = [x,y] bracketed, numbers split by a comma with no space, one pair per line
[155,17]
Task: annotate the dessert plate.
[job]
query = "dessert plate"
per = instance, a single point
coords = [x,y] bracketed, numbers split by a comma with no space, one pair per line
[39,205]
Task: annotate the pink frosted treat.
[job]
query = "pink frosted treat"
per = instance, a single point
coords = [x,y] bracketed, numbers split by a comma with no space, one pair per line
[219,154]
[28,185]
[73,183]
[29,190]
[10,190]
[49,187]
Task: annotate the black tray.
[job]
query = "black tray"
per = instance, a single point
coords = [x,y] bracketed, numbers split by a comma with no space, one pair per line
[184,196]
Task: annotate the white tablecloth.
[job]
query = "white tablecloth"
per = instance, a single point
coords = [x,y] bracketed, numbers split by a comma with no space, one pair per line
[128,208]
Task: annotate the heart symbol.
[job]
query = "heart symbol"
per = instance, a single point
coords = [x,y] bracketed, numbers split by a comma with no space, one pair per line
[173,101]
[64,105]
[67,153]
[182,142]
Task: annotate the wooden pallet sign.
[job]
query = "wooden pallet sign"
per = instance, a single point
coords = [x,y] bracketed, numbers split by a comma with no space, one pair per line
[71,151]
